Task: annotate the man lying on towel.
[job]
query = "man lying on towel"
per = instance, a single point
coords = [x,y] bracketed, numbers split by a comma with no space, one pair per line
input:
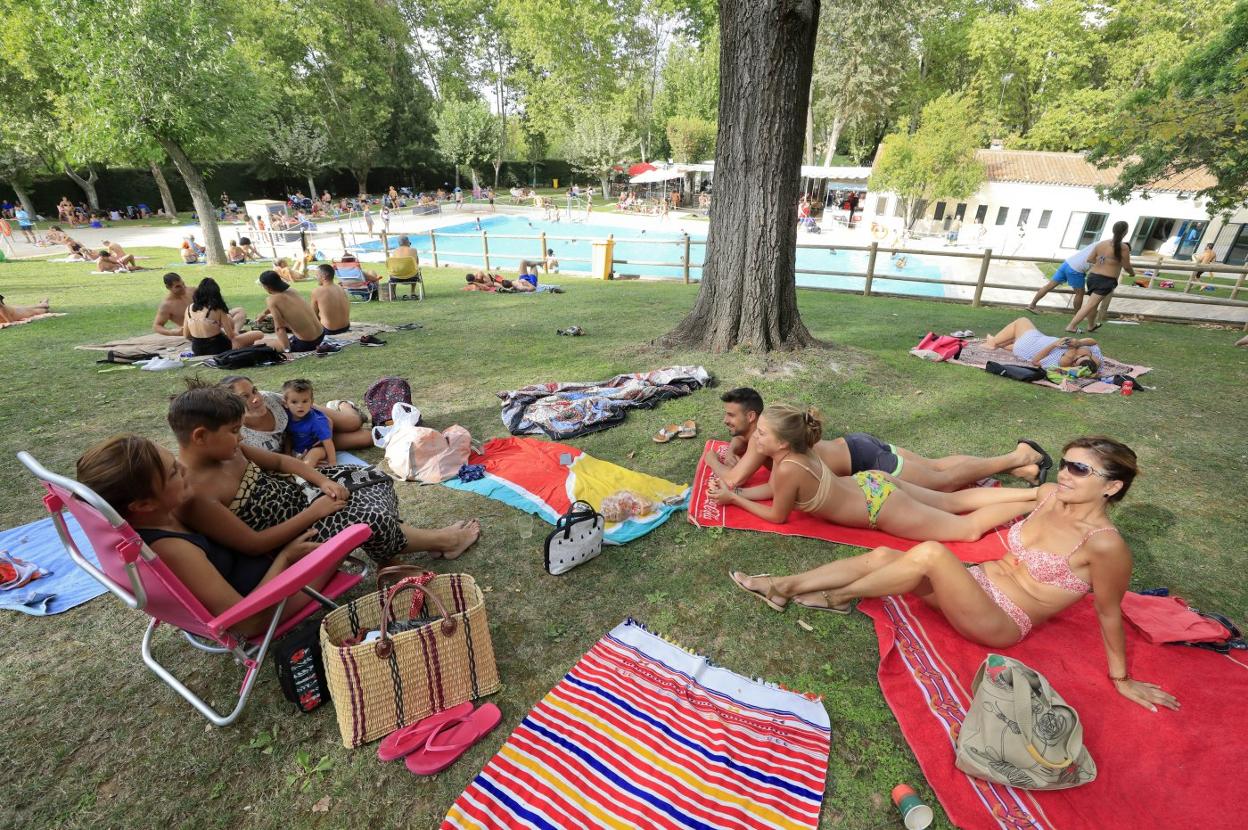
[858,452]
[1072,548]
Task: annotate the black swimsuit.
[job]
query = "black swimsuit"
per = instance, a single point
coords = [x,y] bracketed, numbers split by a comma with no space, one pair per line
[242,572]
[211,345]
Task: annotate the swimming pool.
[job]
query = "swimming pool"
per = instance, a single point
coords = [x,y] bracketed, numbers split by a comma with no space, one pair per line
[461,245]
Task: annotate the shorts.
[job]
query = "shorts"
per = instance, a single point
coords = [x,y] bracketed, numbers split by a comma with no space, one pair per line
[210,345]
[28,227]
[297,345]
[342,330]
[530,279]
[1068,275]
[1102,285]
[866,452]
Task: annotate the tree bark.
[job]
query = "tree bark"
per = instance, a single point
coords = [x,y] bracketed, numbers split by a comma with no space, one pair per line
[810,135]
[166,195]
[748,296]
[204,208]
[311,187]
[834,136]
[87,184]
[23,196]
[361,179]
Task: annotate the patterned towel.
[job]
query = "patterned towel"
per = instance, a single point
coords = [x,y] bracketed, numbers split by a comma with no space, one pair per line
[644,734]
[976,355]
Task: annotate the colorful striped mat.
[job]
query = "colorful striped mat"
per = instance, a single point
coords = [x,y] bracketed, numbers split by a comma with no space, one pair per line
[642,734]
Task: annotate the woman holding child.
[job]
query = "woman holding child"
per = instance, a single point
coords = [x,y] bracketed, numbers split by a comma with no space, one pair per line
[1067,547]
[801,480]
[265,419]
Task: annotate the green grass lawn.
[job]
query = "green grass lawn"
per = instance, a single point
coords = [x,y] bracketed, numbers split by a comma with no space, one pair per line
[95,740]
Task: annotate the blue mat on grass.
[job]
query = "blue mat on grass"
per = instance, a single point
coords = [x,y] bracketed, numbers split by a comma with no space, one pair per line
[66,586]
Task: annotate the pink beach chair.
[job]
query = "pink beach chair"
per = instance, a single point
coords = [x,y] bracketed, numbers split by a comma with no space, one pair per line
[134,574]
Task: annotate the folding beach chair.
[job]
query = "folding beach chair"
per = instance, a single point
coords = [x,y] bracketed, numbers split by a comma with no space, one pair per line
[135,574]
[404,270]
[351,275]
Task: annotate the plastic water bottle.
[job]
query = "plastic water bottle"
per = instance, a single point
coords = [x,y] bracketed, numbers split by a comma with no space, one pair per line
[1128,386]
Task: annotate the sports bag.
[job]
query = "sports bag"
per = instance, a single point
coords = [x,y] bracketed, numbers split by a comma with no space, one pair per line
[1027,374]
[576,539]
[942,347]
[1018,730]
[246,357]
[300,668]
[383,395]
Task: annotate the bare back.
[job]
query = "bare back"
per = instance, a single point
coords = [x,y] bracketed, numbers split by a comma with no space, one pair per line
[293,312]
[204,323]
[1102,259]
[332,306]
[172,310]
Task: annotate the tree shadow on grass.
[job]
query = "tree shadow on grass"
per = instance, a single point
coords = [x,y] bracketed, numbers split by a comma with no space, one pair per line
[1142,524]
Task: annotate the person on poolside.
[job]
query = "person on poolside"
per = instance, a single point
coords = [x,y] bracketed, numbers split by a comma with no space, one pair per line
[288,274]
[801,480]
[1073,272]
[189,252]
[18,313]
[172,309]
[296,326]
[265,420]
[330,302]
[249,250]
[404,249]
[517,287]
[1065,548]
[147,486]
[209,325]
[77,253]
[858,451]
[105,261]
[370,277]
[1107,261]
[481,281]
[234,254]
[119,253]
[251,501]
[1039,349]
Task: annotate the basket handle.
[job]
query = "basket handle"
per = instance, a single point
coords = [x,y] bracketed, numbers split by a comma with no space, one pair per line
[384,646]
[394,573]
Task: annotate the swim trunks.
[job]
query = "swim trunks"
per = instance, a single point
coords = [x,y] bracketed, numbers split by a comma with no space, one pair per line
[866,452]
[297,345]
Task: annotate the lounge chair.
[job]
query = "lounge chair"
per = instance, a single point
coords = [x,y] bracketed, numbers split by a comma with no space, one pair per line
[135,574]
[358,288]
[404,270]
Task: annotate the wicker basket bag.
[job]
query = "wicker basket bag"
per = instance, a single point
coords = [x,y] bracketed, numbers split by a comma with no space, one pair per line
[441,657]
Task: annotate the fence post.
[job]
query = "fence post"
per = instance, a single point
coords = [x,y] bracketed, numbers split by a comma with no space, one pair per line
[272,243]
[485,250]
[686,258]
[542,258]
[983,275]
[342,237]
[875,249]
[1239,283]
[385,244]
[433,247]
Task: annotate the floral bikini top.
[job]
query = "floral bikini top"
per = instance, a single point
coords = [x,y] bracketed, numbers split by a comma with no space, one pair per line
[1045,567]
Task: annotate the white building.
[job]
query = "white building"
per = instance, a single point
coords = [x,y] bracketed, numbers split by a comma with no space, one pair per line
[1044,205]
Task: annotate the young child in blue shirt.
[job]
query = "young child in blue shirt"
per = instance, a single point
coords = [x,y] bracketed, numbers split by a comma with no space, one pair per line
[311,434]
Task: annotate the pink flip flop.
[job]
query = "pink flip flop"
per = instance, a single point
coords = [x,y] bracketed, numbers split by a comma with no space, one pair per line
[451,740]
[409,738]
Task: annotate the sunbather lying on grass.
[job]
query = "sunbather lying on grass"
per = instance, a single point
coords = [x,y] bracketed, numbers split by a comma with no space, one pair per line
[18,313]
[858,451]
[801,480]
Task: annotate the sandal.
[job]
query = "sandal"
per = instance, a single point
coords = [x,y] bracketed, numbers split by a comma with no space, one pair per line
[847,608]
[448,742]
[1046,462]
[689,429]
[666,434]
[408,739]
[764,597]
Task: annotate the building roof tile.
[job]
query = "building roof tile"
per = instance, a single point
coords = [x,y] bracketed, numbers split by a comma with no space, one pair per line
[1034,167]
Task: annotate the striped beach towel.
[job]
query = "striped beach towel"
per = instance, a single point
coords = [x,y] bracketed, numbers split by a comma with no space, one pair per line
[641,733]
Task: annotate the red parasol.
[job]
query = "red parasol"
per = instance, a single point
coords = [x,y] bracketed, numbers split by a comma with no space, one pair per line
[639,168]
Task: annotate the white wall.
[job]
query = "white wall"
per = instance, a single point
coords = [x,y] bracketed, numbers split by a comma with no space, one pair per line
[1063,201]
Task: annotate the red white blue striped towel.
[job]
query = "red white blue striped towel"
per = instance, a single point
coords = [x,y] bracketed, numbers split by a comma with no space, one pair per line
[641,733]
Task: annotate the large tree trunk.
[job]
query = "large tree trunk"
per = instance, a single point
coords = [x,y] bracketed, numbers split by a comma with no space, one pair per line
[810,135]
[311,187]
[747,296]
[23,196]
[166,195]
[204,208]
[834,136]
[87,184]
[361,179]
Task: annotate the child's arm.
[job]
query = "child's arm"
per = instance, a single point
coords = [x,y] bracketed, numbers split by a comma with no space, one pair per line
[331,457]
[273,462]
[315,456]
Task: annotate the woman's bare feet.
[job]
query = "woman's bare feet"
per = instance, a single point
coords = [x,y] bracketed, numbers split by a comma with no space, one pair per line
[462,535]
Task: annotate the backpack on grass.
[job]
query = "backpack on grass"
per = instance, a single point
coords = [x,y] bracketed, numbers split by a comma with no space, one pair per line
[383,395]
[246,358]
[1027,374]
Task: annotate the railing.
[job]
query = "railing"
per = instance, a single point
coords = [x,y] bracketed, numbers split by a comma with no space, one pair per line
[870,275]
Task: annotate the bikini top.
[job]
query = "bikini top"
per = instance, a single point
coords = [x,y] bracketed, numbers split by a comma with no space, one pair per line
[1045,567]
[824,478]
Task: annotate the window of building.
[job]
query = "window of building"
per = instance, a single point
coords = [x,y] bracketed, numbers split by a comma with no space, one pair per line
[1083,229]
[960,212]
[881,205]
[1002,213]
[1045,216]
[1023,216]
[981,213]
[939,212]
[1238,253]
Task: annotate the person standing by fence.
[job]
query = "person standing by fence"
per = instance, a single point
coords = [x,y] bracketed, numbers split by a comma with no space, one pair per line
[1107,259]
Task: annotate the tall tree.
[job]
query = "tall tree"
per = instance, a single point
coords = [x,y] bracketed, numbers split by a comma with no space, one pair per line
[748,293]
[935,161]
[597,144]
[1194,115]
[301,146]
[466,135]
[165,71]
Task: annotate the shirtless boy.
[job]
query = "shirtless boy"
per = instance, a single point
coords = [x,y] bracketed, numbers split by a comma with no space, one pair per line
[330,301]
[858,451]
[296,326]
[172,309]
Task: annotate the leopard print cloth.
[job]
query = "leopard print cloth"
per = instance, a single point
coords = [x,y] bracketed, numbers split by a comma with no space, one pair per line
[266,499]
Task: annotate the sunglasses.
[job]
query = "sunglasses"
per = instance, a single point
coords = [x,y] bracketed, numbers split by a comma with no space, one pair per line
[1080,470]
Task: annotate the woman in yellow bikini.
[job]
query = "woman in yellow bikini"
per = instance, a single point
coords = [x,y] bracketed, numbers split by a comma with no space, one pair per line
[801,480]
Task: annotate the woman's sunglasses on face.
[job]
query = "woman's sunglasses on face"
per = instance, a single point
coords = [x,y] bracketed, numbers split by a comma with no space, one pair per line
[1080,470]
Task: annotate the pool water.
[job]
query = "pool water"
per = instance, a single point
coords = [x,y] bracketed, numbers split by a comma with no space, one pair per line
[461,245]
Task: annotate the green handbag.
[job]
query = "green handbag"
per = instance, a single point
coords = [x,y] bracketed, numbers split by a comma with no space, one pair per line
[1020,732]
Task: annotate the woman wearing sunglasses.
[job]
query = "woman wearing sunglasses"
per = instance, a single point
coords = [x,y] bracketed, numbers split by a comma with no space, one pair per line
[1065,548]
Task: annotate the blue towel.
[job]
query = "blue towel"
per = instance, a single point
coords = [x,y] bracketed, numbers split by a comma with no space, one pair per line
[66,586]
[348,458]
